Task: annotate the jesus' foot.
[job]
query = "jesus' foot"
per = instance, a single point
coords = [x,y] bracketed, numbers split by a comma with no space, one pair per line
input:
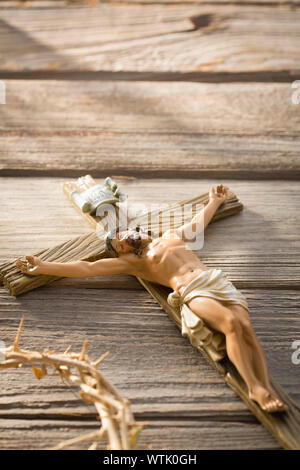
[283,406]
[267,400]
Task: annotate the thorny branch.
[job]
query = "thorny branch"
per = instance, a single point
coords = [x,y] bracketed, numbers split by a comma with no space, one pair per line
[118,425]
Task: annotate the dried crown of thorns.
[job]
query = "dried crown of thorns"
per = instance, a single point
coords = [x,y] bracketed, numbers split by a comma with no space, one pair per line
[117,421]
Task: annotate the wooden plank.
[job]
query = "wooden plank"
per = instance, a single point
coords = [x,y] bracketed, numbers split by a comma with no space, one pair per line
[149,129]
[154,38]
[159,435]
[257,233]
[106,110]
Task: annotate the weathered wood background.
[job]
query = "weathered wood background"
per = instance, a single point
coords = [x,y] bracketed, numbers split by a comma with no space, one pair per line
[168,99]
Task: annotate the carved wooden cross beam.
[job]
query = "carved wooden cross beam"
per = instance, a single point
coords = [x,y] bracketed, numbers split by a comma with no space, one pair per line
[90,247]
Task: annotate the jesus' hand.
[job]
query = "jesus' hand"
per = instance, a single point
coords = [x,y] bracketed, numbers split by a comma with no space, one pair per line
[218,194]
[31,266]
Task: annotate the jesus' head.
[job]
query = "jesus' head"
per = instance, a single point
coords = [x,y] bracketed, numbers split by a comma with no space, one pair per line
[130,240]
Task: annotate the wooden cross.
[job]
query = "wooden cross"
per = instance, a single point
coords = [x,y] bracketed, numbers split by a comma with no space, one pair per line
[90,247]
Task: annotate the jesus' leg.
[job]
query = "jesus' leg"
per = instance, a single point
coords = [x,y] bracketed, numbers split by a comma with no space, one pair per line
[256,353]
[241,353]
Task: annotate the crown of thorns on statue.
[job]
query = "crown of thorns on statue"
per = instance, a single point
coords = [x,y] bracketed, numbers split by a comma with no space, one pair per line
[132,238]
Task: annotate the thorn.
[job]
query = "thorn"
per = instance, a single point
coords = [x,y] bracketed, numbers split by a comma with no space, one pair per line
[68,349]
[83,351]
[93,446]
[96,363]
[18,335]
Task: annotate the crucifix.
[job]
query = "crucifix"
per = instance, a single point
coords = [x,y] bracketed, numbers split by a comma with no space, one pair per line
[204,303]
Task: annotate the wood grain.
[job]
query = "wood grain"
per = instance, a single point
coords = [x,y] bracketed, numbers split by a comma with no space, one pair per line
[162,434]
[269,223]
[146,129]
[154,38]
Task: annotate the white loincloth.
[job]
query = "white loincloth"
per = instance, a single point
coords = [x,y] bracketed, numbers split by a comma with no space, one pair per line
[210,283]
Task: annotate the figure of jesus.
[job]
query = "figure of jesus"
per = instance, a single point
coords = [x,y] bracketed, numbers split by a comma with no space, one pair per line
[168,261]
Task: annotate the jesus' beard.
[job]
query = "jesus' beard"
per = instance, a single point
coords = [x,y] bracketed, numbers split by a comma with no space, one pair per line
[137,242]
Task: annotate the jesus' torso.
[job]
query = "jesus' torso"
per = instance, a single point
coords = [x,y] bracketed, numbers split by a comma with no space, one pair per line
[167,261]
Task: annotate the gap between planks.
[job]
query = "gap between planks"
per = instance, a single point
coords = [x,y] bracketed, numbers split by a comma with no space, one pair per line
[147,173]
[267,76]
